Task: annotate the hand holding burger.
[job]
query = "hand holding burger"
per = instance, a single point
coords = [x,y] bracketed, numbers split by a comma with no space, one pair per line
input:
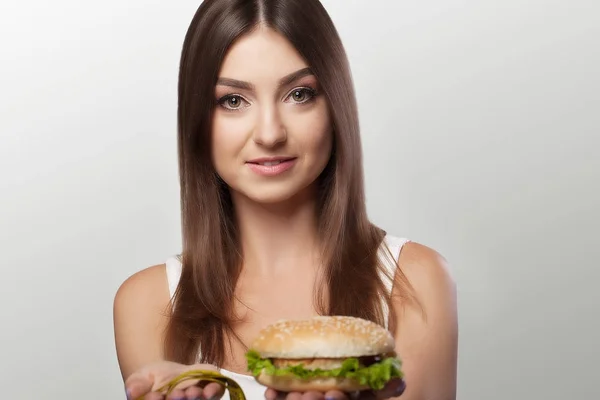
[327,354]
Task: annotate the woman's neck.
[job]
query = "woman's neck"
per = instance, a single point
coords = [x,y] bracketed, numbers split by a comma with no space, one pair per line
[277,238]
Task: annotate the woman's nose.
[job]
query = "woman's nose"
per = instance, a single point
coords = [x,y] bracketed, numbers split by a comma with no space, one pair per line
[269,131]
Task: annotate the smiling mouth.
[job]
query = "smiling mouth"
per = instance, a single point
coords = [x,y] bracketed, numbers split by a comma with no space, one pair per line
[271,162]
[272,166]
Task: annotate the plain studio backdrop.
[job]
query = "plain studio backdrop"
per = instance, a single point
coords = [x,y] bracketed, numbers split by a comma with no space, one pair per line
[480,124]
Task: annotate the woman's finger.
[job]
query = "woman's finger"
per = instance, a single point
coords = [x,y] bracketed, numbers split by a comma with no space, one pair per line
[290,396]
[194,392]
[154,396]
[270,394]
[313,396]
[336,395]
[176,394]
[393,388]
[213,390]
[138,385]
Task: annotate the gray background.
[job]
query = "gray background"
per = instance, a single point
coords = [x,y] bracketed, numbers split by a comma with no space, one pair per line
[480,124]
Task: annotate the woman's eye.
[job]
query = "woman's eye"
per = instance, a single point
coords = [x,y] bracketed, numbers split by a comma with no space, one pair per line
[232,102]
[302,95]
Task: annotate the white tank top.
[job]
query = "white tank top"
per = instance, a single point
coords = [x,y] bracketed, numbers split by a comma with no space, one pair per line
[251,388]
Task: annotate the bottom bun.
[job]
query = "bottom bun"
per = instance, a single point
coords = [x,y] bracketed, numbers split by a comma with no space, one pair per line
[295,384]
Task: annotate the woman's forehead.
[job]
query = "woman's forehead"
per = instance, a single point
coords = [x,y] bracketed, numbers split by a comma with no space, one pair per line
[261,56]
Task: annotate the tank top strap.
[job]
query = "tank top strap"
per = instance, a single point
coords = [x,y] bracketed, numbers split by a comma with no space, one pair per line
[393,245]
[173,270]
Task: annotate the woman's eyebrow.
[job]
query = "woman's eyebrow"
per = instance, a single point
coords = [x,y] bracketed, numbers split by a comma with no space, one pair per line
[234,83]
[286,80]
[294,76]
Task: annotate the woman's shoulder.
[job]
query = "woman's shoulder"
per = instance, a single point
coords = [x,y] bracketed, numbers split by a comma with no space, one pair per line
[140,317]
[424,267]
[154,279]
[426,273]
[145,288]
[421,260]
[414,256]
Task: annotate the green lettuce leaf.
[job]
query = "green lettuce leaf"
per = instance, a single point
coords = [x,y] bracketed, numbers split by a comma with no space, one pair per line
[375,376]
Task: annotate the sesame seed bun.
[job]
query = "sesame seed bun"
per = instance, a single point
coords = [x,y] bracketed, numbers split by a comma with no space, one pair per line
[323,337]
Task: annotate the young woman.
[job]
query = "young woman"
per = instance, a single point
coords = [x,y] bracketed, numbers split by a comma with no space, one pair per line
[274,218]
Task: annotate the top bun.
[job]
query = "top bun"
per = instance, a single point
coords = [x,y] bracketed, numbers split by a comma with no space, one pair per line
[323,337]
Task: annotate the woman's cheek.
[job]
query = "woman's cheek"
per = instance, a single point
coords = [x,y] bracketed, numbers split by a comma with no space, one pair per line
[229,138]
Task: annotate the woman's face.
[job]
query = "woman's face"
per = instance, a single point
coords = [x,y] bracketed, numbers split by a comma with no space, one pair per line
[271,134]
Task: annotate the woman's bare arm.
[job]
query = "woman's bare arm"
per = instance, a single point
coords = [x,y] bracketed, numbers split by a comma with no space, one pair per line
[427,342]
[139,313]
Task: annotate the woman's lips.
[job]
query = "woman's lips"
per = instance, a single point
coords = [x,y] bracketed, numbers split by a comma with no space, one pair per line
[271,166]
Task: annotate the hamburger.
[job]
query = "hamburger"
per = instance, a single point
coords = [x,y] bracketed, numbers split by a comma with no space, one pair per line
[324,353]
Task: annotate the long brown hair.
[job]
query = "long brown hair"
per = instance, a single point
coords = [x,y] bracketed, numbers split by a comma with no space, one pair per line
[203,303]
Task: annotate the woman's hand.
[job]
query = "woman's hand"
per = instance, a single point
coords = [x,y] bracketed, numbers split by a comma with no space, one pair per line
[148,380]
[393,389]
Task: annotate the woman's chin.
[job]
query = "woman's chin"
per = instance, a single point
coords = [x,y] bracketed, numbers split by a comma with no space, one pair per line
[269,197]
[272,195]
